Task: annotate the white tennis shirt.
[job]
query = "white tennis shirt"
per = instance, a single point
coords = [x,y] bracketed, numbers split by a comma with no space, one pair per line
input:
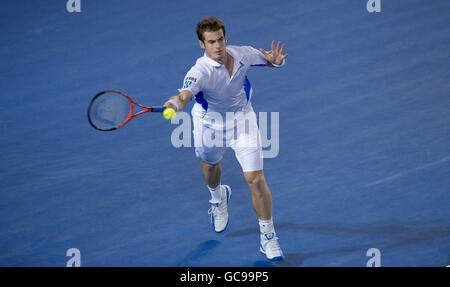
[214,89]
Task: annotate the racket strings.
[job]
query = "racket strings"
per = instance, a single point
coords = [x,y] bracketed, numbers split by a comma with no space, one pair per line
[109,111]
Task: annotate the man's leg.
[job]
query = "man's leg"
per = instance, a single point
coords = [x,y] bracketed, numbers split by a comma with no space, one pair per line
[262,203]
[211,170]
[212,173]
[261,197]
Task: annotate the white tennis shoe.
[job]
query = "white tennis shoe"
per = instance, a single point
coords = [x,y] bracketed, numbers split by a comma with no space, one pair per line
[219,211]
[270,246]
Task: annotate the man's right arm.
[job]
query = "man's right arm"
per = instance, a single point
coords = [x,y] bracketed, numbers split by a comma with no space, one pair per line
[179,101]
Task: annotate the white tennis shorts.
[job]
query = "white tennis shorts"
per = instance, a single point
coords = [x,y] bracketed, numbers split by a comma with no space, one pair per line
[215,132]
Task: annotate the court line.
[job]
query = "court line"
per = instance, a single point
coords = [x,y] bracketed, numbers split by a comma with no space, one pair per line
[400,174]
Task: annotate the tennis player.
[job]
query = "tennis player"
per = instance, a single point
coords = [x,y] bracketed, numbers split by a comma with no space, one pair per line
[219,85]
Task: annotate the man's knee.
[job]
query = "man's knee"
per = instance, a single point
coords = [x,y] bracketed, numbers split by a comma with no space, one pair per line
[255,178]
[210,166]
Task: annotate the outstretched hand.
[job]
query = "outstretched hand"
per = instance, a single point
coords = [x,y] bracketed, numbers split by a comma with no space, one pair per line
[275,56]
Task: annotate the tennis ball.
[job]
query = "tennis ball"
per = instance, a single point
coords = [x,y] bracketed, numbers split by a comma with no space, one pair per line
[168,113]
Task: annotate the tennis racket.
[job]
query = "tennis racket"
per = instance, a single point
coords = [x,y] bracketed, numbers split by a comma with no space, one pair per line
[111,110]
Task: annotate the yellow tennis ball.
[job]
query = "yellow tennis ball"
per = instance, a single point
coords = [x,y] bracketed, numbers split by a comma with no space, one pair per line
[168,113]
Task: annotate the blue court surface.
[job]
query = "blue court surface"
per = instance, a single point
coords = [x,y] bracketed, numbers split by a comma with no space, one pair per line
[364,134]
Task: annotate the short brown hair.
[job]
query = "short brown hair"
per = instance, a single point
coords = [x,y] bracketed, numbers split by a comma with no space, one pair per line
[209,24]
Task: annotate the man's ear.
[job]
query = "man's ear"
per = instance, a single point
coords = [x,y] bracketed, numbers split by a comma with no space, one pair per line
[202,44]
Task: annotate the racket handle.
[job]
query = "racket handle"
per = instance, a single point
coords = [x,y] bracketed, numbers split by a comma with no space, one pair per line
[158,109]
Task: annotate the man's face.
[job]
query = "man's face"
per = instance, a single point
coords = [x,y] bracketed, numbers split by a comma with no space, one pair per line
[214,45]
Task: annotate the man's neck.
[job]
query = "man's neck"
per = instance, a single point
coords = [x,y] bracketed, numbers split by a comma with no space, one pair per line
[229,62]
[224,61]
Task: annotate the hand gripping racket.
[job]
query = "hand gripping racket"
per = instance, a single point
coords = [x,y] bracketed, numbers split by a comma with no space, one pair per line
[111,110]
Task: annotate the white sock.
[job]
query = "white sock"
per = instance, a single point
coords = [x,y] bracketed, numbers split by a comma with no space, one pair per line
[216,194]
[266,226]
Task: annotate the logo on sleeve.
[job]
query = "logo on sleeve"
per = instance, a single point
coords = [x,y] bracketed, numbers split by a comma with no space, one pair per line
[188,81]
